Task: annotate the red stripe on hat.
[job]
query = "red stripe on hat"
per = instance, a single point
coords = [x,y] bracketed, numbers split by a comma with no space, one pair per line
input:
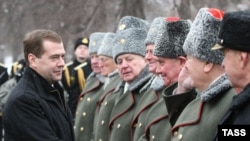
[217,13]
[172,19]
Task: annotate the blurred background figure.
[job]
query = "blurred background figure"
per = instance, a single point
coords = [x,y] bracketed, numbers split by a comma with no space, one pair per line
[76,72]
[3,78]
[18,65]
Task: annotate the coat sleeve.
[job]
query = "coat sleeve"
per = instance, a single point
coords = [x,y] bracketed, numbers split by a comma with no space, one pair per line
[25,119]
[4,76]
[5,90]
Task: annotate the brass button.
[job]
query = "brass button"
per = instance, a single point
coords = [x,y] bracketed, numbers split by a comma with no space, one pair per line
[180,137]
[153,137]
[139,125]
[118,125]
[122,26]
[102,122]
[105,103]
[81,129]
[83,114]
[88,99]
[175,133]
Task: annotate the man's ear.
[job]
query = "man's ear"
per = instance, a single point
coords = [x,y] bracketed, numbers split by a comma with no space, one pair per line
[208,67]
[244,59]
[32,60]
[182,61]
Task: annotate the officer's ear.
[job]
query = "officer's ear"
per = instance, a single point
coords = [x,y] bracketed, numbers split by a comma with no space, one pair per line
[208,66]
[244,59]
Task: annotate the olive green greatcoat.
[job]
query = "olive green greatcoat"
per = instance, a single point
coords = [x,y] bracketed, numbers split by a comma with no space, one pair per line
[105,105]
[139,120]
[128,106]
[157,126]
[85,113]
[157,84]
[199,119]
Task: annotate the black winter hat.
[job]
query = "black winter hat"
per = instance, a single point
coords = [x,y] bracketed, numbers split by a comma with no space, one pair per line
[235,31]
[81,41]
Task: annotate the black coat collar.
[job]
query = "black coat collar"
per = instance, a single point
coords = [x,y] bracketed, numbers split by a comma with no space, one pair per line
[242,98]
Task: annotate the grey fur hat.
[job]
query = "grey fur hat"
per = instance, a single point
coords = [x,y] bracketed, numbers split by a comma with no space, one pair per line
[203,36]
[129,41]
[95,40]
[127,22]
[153,30]
[170,38]
[106,45]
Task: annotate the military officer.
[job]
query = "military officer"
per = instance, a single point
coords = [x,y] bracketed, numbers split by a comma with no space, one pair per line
[133,97]
[76,72]
[170,59]
[86,107]
[106,101]
[214,90]
[234,43]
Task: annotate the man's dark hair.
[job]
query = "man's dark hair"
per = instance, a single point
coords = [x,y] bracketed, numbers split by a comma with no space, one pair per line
[33,42]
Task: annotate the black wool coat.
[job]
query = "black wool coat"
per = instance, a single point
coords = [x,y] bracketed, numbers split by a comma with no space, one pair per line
[239,111]
[36,111]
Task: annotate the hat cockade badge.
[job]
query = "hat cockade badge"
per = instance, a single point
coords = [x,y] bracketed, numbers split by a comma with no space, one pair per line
[85,40]
[122,26]
[122,41]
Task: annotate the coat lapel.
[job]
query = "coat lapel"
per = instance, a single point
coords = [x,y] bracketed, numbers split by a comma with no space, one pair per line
[148,99]
[91,85]
[124,104]
[193,118]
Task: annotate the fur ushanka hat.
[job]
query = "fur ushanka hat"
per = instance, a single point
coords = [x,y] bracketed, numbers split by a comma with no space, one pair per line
[127,22]
[153,30]
[95,40]
[106,45]
[203,36]
[171,36]
[129,41]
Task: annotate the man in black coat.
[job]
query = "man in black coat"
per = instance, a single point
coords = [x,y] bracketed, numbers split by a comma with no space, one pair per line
[36,110]
[234,42]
